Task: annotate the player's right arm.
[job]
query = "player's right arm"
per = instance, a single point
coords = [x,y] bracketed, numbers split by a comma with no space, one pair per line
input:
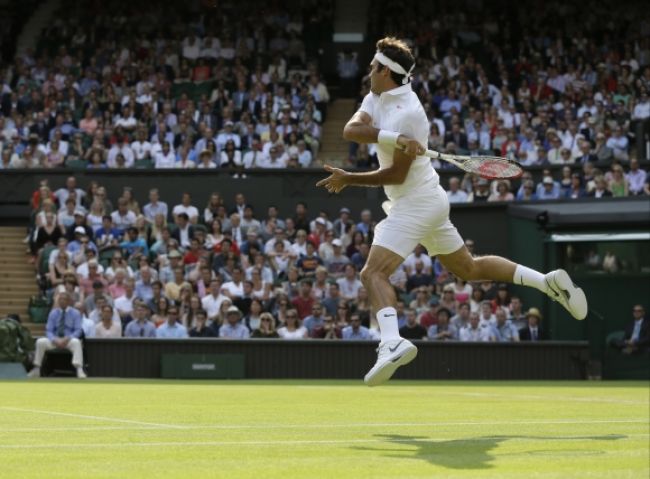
[360,130]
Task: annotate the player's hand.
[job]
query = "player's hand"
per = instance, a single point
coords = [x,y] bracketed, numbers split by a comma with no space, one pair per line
[410,146]
[336,181]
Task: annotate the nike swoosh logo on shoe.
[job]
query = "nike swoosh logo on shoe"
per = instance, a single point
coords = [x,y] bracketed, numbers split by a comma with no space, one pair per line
[551,289]
[392,350]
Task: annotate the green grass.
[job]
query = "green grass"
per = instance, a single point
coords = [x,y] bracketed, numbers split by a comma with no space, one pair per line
[314,429]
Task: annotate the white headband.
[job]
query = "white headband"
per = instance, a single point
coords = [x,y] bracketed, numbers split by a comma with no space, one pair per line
[394,66]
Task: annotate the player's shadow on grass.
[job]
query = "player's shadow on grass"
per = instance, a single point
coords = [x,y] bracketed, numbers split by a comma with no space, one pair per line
[470,453]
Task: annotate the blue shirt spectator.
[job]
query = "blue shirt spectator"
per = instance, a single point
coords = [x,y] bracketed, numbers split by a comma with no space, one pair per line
[63,323]
[171,331]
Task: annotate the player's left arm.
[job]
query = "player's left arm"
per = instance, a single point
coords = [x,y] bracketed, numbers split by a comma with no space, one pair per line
[393,175]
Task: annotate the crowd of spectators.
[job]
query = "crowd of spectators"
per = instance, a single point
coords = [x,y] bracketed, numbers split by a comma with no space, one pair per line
[226,270]
[544,83]
[117,85]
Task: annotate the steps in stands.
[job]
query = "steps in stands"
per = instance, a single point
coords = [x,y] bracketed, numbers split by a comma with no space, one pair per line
[17,277]
[334,149]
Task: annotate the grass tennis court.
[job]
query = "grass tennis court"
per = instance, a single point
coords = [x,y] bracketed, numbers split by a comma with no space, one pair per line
[342,429]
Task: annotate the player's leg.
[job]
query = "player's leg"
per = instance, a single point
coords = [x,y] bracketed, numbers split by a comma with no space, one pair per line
[556,284]
[381,263]
[393,351]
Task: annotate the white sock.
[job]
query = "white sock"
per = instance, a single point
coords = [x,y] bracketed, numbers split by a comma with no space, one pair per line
[387,319]
[529,277]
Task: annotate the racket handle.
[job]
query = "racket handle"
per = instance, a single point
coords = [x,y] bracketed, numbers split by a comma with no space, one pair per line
[432,154]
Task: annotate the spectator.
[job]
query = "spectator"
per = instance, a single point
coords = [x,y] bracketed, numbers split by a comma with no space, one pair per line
[211,302]
[637,333]
[412,329]
[292,328]
[635,178]
[473,332]
[504,329]
[172,328]
[140,326]
[532,332]
[444,330]
[232,328]
[266,328]
[155,206]
[107,328]
[356,331]
[63,330]
[454,193]
[349,285]
[201,329]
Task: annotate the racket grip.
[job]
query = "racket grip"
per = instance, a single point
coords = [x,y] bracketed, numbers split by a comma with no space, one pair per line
[432,154]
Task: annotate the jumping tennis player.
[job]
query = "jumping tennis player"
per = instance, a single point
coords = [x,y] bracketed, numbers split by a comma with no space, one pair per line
[392,116]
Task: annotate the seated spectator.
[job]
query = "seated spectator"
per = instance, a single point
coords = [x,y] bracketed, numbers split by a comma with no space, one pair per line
[186,207]
[600,190]
[308,262]
[454,193]
[412,329]
[533,331]
[329,330]
[502,194]
[63,330]
[349,284]
[292,328]
[315,320]
[548,191]
[575,190]
[266,328]
[134,246]
[356,331]
[211,302]
[636,177]
[473,332]
[504,329]
[106,327]
[444,330]
[232,327]
[304,302]
[172,329]
[201,329]
[418,278]
[637,333]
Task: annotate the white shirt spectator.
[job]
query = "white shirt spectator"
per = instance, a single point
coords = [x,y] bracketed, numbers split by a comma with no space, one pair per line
[349,289]
[150,210]
[63,193]
[233,288]
[641,111]
[409,262]
[458,196]
[211,304]
[82,270]
[299,333]
[254,158]
[191,211]
[127,123]
[163,160]
[124,304]
[470,334]
[126,151]
[141,149]
[123,222]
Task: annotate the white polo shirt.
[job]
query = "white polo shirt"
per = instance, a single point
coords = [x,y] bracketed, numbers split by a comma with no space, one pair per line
[400,110]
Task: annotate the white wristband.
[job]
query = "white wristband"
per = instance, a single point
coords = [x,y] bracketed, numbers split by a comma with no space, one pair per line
[386,137]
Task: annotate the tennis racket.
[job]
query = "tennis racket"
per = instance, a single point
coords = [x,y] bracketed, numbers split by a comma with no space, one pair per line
[489,167]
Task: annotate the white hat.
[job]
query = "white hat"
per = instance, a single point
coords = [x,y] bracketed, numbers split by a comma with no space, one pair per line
[80,230]
[337,242]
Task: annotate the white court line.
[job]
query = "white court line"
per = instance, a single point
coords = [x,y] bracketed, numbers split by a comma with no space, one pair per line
[321,426]
[298,442]
[95,418]
[550,398]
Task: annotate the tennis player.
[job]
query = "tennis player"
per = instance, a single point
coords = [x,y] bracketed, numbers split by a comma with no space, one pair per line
[392,116]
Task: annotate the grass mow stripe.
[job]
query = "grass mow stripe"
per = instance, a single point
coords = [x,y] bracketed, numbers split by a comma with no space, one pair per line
[558,422]
[302,442]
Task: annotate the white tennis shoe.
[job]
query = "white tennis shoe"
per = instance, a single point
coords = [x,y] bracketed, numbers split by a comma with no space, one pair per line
[560,288]
[390,356]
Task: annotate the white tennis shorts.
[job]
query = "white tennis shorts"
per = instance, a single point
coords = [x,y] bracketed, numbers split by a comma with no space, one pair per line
[419,217]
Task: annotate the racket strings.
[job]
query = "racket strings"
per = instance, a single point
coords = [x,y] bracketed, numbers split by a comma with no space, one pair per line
[494,167]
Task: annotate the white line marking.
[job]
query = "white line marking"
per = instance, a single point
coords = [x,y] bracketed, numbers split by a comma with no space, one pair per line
[550,397]
[95,418]
[301,442]
[158,427]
